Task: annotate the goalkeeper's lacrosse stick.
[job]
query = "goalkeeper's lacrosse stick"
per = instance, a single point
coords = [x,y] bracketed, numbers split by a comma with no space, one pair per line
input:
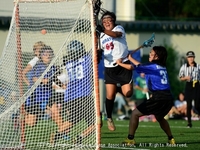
[146,43]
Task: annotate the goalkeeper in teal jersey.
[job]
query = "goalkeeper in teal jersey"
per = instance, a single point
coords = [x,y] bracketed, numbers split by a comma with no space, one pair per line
[161,100]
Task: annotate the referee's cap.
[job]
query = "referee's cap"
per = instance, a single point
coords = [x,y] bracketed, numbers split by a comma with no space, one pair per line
[190,54]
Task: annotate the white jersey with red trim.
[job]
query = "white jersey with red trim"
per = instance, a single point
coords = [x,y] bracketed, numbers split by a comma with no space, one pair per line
[114,48]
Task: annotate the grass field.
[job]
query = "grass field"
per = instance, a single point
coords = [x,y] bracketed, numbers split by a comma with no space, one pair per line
[149,136]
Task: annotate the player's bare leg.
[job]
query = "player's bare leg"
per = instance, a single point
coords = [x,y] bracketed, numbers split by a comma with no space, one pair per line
[84,134]
[30,120]
[57,118]
[127,90]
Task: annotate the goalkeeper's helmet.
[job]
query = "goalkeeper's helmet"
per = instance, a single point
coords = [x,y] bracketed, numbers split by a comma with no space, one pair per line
[75,49]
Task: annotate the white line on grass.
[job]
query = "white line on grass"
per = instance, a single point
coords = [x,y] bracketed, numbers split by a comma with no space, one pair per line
[144,126]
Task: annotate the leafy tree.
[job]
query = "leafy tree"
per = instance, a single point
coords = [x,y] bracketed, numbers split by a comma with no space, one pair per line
[173,65]
[168,10]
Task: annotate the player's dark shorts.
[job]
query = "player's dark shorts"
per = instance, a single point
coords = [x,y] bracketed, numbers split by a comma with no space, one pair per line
[56,98]
[159,104]
[80,109]
[34,109]
[118,74]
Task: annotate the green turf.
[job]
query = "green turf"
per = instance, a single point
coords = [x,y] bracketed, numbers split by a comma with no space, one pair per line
[150,136]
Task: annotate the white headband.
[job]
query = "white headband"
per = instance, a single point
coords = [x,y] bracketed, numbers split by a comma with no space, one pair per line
[107,16]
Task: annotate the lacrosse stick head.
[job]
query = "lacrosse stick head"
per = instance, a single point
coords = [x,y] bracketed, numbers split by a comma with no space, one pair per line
[150,41]
[97,7]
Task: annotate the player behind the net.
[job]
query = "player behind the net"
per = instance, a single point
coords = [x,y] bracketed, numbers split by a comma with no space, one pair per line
[36,50]
[35,104]
[78,103]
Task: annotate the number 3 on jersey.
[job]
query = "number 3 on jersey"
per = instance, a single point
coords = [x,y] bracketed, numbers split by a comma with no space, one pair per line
[163,75]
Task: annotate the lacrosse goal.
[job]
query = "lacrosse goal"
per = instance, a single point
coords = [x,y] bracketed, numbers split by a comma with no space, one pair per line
[56,23]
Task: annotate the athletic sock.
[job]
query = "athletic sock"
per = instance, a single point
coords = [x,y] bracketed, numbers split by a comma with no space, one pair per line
[130,137]
[109,107]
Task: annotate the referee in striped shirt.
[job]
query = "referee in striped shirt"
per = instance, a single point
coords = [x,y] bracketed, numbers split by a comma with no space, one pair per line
[190,72]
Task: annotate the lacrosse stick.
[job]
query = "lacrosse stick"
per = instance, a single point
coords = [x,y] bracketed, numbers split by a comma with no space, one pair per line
[146,43]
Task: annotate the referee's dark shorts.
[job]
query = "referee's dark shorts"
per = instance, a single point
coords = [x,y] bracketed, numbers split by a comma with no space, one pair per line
[192,92]
[159,104]
[118,74]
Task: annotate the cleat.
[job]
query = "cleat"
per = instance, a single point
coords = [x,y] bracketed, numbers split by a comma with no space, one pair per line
[128,142]
[172,141]
[189,125]
[111,125]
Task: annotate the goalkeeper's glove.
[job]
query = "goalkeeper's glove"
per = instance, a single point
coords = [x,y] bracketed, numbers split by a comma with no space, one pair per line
[99,29]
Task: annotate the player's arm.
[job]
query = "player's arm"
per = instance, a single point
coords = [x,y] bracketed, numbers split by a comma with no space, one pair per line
[186,78]
[134,61]
[113,34]
[138,87]
[60,79]
[29,66]
[127,66]
[24,72]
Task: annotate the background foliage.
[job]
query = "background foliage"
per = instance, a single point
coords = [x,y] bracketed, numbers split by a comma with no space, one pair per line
[174,63]
[181,10]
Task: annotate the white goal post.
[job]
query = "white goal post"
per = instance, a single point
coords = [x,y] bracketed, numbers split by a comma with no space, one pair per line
[49,90]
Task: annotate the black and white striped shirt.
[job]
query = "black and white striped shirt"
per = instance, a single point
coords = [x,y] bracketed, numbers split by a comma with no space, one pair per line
[192,71]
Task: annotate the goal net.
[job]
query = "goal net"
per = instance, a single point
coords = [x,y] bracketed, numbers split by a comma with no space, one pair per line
[48,77]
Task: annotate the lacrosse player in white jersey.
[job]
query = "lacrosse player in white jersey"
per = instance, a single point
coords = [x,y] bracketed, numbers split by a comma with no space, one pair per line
[114,46]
